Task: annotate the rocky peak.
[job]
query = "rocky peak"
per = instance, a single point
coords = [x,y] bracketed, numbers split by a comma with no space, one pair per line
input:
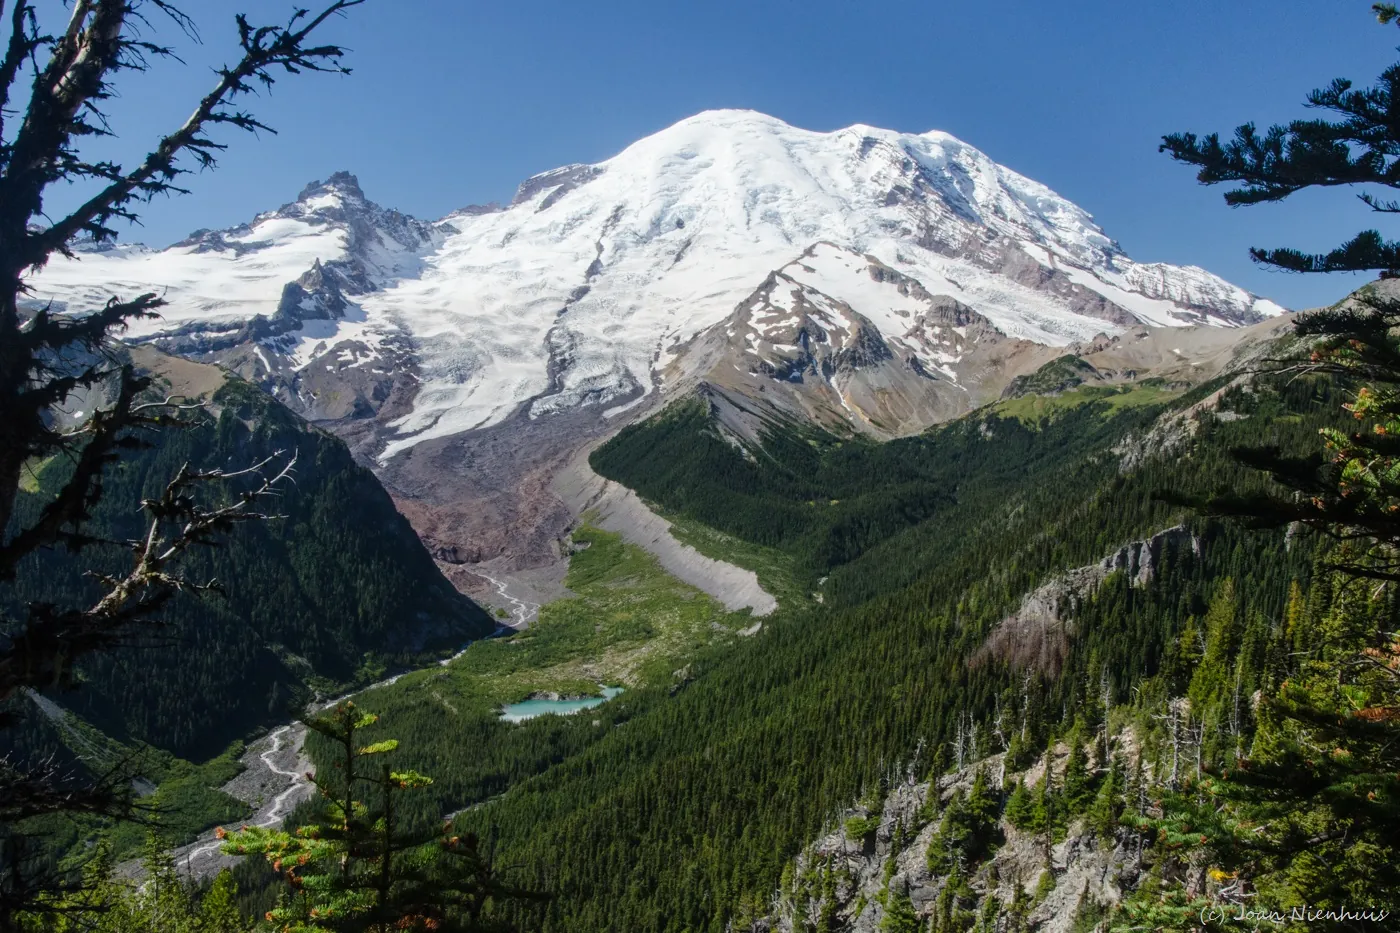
[796,331]
[381,243]
[561,180]
[475,210]
[341,183]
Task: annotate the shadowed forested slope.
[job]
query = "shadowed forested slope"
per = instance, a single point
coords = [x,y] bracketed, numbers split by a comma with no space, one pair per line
[327,594]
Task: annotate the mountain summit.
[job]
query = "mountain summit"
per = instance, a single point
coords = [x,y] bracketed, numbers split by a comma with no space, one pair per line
[596,282]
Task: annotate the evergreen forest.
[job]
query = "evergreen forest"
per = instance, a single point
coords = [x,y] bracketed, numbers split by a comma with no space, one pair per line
[1111,653]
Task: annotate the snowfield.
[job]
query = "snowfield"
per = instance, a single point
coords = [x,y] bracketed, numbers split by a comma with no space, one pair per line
[583,288]
[228,286]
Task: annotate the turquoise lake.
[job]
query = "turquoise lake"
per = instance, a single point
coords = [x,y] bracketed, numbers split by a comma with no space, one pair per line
[518,712]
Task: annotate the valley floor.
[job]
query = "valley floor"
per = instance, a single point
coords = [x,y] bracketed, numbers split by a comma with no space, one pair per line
[627,622]
[620,619]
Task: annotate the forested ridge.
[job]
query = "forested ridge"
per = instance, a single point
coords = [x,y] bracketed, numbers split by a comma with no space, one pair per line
[679,804]
[332,591]
[874,518]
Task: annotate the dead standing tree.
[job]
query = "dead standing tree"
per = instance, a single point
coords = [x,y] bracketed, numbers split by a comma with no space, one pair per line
[46,357]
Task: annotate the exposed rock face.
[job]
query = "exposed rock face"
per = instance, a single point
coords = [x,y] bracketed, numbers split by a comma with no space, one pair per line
[1140,559]
[1084,866]
[557,182]
[1039,632]
[1172,432]
[847,341]
[1018,266]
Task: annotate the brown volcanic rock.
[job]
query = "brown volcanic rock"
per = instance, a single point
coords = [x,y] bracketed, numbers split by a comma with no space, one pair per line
[485,495]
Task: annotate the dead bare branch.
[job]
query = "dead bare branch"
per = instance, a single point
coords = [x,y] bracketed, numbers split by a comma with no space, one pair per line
[47,356]
[43,651]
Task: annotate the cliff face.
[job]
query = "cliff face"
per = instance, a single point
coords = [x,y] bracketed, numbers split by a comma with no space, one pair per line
[1038,633]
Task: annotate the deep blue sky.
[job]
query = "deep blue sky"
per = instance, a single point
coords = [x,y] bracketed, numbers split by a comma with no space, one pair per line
[454,102]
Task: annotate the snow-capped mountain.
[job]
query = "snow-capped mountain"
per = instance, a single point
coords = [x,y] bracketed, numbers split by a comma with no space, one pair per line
[218,280]
[593,283]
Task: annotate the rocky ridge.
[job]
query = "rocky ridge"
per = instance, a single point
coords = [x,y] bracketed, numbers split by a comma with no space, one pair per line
[1056,880]
[1038,633]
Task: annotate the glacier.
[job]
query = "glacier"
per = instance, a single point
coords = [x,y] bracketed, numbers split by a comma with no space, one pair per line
[588,284]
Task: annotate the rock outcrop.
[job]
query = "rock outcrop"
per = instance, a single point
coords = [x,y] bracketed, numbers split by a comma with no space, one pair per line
[1039,632]
[1057,880]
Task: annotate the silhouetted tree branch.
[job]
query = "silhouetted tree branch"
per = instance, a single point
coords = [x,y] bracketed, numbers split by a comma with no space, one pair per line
[1362,147]
[48,356]
[1350,490]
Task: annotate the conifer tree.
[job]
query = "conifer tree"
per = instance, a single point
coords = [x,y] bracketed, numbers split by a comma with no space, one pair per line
[983,808]
[1043,806]
[968,829]
[359,870]
[1018,910]
[218,908]
[987,916]
[899,913]
[163,902]
[1158,907]
[1362,147]
[946,846]
[1312,815]
[951,909]
[827,920]
[899,839]
[1079,790]
[1107,805]
[1018,806]
[1213,669]
[928,810]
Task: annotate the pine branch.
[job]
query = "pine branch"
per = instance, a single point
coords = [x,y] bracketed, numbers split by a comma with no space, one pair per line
[1365,252]
[1361,147]
[1350,490]
[24,41]
[1379,206]
[105,435]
